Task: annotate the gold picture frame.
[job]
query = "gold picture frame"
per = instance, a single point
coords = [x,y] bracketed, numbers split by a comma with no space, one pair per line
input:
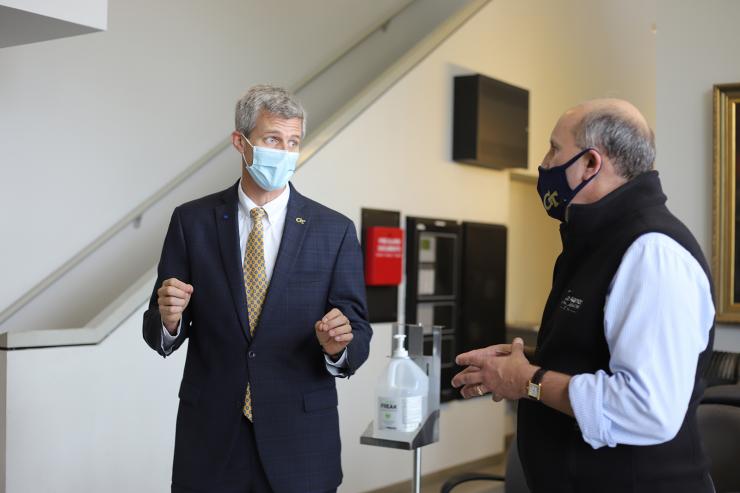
[724,203]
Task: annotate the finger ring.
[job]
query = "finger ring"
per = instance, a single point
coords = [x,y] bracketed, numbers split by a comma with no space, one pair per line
[478,389]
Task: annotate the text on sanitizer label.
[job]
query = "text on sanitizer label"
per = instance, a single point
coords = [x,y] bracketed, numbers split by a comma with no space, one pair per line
[402,414]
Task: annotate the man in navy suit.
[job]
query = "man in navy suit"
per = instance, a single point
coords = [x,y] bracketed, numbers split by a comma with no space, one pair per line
[268,287]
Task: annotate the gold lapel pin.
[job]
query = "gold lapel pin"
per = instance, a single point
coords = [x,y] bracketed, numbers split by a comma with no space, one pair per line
[300,220]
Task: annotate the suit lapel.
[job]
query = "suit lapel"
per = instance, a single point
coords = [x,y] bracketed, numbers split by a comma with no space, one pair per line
[227,221]
[297,223]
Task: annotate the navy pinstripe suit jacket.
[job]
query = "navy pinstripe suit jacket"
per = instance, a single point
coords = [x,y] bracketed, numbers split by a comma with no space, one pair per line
[319,267]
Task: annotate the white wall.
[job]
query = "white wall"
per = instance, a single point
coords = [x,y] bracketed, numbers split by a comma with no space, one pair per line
[696,48]
[87,419]
[396,156]
[92,125]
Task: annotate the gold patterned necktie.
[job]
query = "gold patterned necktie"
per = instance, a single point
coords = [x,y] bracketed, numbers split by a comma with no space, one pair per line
[255,282]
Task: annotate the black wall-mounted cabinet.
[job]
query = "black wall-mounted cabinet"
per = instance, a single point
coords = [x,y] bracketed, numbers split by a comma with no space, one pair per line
[483,286]
[433,249]
[490,123]
[456,277]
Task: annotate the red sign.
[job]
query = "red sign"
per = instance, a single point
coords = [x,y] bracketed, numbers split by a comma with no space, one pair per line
[383,256]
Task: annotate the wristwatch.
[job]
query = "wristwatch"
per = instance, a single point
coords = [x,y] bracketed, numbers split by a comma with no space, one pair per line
[534,387]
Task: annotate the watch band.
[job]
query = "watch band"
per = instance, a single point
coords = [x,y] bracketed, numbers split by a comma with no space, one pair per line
[534,387]
[537,377]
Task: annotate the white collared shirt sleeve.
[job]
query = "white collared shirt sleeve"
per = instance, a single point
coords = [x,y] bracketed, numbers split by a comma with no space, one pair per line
[336,368]
[657,318]
[168,340]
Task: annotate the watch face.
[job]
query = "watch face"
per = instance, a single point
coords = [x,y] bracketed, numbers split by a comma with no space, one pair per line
[533,391]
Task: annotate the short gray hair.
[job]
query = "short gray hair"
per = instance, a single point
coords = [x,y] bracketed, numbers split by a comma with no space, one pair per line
[628,143]
[269,98]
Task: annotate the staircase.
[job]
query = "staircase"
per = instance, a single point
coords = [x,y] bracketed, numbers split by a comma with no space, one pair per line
[87,297]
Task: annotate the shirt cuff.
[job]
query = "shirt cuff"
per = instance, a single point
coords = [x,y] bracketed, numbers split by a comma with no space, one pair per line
[336,368]
[168,340]
[586,393]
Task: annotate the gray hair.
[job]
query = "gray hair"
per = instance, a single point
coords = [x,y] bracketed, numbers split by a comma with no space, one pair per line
[269,98]
[627,142]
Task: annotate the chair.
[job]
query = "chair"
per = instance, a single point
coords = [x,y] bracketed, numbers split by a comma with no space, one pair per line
[513,480]
[723,369]
[722,394]
[719,425]
[718,416]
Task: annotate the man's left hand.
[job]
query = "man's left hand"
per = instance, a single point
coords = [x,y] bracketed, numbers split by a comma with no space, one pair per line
[505,376]
[334,332]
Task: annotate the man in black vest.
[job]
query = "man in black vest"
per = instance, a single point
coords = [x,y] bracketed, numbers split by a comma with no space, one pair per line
[608,401]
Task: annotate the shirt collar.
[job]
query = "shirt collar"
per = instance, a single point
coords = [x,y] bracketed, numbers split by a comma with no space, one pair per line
[273,208]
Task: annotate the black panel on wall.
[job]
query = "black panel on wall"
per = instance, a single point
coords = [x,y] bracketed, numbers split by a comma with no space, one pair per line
[432,286]
[490,123]
[382,301]
[483,299]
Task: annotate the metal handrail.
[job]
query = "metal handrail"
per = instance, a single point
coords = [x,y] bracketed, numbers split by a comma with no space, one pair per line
[136,214]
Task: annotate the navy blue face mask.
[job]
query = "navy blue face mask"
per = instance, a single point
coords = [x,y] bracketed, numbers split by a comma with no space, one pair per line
[554,190]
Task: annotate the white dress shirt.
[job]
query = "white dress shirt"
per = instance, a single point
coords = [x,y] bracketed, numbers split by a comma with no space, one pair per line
[657,318]
[273,225]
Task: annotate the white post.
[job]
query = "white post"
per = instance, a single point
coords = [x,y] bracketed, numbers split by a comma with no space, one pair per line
[416,481]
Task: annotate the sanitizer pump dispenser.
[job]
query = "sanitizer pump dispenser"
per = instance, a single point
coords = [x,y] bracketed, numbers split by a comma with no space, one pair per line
[401,392]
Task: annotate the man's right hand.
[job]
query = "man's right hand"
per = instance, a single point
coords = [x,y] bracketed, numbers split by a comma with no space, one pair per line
[174,296]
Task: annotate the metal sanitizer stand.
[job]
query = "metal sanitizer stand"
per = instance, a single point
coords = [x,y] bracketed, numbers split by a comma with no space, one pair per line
[428,432]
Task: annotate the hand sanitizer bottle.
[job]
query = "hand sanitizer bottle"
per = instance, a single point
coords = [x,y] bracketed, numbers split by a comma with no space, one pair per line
[401,392]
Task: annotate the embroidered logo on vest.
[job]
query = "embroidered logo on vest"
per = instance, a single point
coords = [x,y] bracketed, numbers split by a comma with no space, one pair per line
[570,303]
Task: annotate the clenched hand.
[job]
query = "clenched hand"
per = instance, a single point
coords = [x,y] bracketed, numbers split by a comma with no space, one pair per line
[173,298]
[334,332]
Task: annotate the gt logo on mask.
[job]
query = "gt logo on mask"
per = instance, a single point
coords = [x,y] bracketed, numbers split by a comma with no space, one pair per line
[550,200]
[553,187]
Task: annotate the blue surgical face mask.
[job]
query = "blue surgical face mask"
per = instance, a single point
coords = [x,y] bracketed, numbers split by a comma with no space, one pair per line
[554,190]
[271,169]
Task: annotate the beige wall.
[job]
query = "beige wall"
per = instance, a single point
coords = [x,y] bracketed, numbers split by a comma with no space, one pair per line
[534,243]
[696,48]
[396,155]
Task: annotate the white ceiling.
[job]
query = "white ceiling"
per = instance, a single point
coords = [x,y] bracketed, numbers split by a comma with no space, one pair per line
[31,21]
